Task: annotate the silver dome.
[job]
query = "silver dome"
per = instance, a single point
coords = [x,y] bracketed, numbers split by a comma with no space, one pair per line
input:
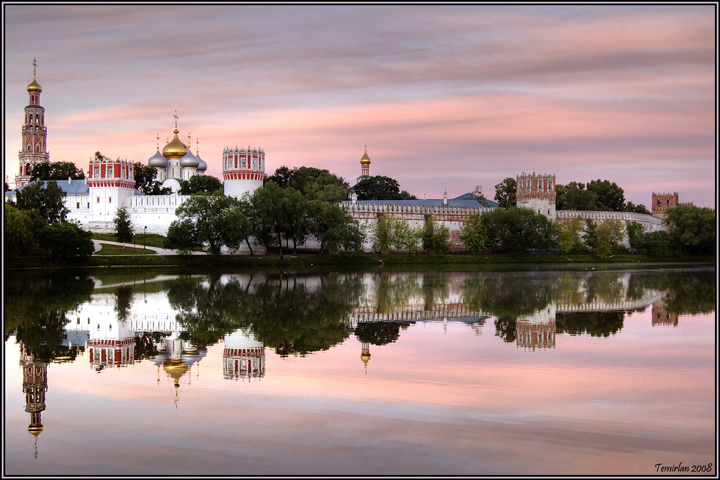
[203,166]
[158,161]
[189,160]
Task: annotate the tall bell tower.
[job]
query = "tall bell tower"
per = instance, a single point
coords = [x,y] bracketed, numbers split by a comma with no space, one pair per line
[34,134]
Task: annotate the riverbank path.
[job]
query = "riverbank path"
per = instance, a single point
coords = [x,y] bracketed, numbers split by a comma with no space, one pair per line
[158,251]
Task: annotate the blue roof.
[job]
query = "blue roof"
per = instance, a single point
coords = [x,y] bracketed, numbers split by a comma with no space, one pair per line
[69,187]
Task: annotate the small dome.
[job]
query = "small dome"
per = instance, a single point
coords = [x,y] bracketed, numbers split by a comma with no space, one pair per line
[35,429]
[158,161]
[365,160]
[34,87]
[203,166]
[189,160]
[175,149]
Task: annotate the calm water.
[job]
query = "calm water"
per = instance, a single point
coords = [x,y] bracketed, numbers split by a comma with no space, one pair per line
[480,373]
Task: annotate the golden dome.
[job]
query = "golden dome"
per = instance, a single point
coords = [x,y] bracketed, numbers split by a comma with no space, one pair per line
[34,87]
[175,369]
[175,149]
[365,160]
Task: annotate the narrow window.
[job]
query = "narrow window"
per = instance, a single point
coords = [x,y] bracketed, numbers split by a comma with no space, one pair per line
[109,199]
[97,199]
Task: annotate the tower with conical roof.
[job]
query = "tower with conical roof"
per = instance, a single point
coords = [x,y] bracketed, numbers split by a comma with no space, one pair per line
[364,167]
[34,388]
[34,134]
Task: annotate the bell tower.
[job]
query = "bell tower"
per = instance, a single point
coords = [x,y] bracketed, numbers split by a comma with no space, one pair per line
[34,134]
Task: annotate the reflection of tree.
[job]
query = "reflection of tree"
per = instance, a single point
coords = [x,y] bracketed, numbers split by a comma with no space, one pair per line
[208,311]
[124,295]
[379,333]
[145,346]
[688,292]
[604,286]
[435,289]
[509,295]
[44,336]
[28,297]
[596,324]
[506,328]
[394,290]
[294,319]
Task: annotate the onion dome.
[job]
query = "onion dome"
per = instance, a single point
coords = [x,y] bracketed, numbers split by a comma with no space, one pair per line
[175,149]
[34,87]
[35,429]
[189,160]
[365,160]
[202,166]
[158,161]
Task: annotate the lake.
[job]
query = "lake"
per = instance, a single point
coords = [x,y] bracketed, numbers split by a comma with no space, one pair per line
[568,371]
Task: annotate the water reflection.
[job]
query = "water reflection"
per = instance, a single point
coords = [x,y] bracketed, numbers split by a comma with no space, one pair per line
[170,321]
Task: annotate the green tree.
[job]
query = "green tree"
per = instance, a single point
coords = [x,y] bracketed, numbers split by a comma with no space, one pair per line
[65,239]
[45,198]
[609,195]
[435,238]
[472,233]
[392,233]
[518,229]
[631,207]
[200,184]
[609,237]
[505,193]
[303,178]
[379,188]
[158,189]
[569,235]
[574,196]
[478,195]
[19,232]
[658,244]
[590,235]
[55,171]
[123,225]
[636,234]
[211,221]
[693,229]
[144,177]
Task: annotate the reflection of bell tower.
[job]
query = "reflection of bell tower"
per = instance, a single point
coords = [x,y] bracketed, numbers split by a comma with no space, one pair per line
[365,355]
[34,388]
[537,330]
[660,316]
[243,356]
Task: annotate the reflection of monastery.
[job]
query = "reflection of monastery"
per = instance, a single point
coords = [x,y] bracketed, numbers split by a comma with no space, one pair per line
[110,185]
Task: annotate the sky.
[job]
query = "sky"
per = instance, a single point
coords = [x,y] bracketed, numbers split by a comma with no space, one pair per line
[444,97]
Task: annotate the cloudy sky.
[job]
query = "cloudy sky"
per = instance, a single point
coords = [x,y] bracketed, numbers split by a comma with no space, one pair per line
[445,97]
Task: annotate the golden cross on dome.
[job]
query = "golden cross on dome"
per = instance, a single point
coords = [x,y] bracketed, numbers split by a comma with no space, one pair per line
[34,65]
[176,117]
[197,147]
[188,140]
[158,141]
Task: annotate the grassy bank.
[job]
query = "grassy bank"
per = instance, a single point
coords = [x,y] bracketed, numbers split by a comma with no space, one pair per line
[340,260]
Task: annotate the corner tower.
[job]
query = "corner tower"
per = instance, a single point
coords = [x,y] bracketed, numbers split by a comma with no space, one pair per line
[34,134]
[537,192]
[243,170]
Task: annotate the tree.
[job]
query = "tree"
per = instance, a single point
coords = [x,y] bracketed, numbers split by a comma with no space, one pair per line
[46,199]
[658,244]
[378,188]
[211,221]
[609,195]
[472,234]
[574,196]
[144,177]
[158,189]
[302,178]
[631,207]
[435,238]
[18,233]
[392,233]
[609,237]
[692,229]
[636,234]
[505,193]
[65,239]
[123,226]
[518,229]
[569,235]
[200,184]
[55,171]
[590,235]
[264,208]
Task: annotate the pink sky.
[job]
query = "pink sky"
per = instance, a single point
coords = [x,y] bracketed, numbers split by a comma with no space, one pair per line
[444,97]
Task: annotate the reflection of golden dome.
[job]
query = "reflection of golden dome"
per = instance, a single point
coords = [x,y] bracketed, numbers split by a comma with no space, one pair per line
[175,368]
[175,149]
[34,86]
[365,357]
[365,160]
[35,429]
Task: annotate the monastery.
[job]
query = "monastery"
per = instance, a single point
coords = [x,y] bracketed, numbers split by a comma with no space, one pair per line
[110,184]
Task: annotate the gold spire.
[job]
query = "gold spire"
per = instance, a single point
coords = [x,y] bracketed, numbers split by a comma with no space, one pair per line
[175,149]
[34,87]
